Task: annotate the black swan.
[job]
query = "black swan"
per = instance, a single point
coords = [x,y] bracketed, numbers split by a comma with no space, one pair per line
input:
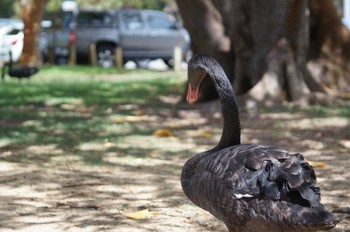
[19,71]
[249,187]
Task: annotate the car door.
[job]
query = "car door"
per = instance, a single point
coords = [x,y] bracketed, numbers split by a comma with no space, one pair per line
[95,27]
[163,34]
[134,34]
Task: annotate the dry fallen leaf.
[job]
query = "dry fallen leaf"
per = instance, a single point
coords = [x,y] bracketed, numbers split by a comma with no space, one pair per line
[67,107]
[202,133]
[316,164]
[139,112]
[142,214]
[206,133]
[163,133]
[109,144]
[131,118]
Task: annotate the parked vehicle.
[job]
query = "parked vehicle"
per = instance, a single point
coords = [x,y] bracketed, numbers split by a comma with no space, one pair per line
[54,37]
[11,39]
[142,34]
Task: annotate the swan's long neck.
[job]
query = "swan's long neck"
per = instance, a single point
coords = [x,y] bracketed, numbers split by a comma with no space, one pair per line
[10,62]
[231,133]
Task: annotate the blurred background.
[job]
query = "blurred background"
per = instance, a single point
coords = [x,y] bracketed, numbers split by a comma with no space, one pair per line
[94,127]
[70,32]
[250,41]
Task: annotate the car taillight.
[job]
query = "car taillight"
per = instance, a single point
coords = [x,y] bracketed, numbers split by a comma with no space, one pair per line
[14,41]
[72,38]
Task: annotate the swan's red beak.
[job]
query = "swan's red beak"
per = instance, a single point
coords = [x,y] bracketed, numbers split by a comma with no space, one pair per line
[192,94]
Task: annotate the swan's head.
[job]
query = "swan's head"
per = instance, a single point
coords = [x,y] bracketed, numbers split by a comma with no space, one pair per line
[195,73]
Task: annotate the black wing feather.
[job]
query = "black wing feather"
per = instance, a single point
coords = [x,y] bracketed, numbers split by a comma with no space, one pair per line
[246,182]
[264,172]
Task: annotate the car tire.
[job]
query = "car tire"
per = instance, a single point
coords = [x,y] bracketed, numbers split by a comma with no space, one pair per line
[169,62]
[105,56]
[186,57]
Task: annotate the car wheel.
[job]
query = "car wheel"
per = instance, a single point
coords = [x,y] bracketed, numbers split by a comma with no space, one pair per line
[169,62]
[105,56]
[186,57]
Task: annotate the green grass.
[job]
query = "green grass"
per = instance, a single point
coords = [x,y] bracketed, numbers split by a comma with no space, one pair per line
[69,85]
[74,110]
[313,111]
[323,111]
[69,107]
[83,69]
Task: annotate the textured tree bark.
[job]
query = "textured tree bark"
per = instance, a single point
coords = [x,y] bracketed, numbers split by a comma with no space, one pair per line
[31,13]
[246,35]
[205,25]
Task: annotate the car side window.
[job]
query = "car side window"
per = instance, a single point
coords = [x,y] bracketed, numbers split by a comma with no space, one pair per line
[132,21]
[157,22]
[95,19]
[13,32]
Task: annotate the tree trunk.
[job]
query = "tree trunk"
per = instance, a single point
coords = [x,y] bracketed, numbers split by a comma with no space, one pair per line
[202,19]
[245,36]
[31,13]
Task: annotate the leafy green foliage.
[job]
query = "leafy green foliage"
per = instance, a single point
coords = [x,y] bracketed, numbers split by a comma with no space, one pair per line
[6,9]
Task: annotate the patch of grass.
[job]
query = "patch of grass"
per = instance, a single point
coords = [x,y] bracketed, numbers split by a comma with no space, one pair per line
[323,111]
[82,69]
[316,110]
[51,87]
[71,106]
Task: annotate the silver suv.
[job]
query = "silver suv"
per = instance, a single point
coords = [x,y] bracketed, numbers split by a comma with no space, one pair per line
[142,34]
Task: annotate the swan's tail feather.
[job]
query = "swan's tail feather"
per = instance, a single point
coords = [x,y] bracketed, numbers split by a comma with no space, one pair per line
[319,218]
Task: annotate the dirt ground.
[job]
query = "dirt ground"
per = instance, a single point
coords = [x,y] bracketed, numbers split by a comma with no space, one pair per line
[60,192]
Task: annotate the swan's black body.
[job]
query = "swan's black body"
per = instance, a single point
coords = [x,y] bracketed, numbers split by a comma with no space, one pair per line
[22,71]
[250,187]
[19,71]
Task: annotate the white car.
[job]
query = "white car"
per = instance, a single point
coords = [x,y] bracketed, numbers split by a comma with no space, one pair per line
[11,39]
